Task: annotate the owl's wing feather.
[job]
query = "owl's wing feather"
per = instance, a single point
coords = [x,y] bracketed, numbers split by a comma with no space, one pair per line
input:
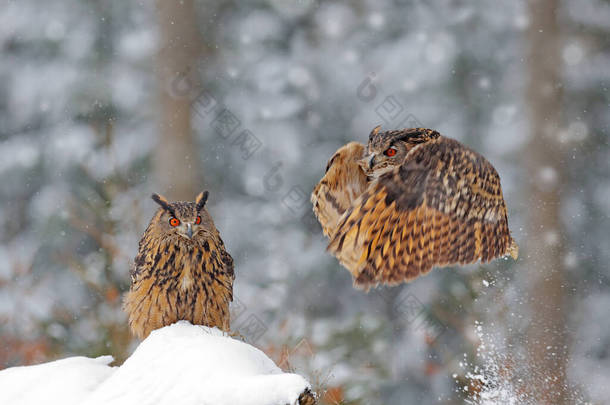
[442,206]
[229,269]
[343,182]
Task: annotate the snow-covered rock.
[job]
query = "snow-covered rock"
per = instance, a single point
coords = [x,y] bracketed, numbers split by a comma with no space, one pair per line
[179,364]
[65,382]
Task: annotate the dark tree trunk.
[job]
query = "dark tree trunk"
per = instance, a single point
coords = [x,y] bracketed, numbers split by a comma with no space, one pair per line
[545,276]
[176,162]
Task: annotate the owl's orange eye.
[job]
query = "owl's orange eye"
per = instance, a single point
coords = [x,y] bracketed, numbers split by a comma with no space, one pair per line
[390,152]
[174,222]
[198,221]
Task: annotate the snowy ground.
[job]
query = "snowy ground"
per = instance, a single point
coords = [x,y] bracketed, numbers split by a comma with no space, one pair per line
[180,364]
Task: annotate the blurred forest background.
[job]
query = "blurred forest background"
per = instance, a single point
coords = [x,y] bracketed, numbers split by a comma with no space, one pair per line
[103,102]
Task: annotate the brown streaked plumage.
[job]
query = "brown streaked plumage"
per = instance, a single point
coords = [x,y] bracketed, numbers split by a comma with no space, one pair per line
[427,201]
[182,270]
[342,184]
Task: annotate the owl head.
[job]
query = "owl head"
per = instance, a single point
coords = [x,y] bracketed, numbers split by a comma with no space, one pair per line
[388,149]
[188,220]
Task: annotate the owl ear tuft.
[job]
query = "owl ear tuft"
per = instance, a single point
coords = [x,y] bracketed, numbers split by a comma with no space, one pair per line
[375,131]
[201,200]
[159,199]
[162,201]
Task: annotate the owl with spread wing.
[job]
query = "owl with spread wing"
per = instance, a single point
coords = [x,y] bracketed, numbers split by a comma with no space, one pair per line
[409,201]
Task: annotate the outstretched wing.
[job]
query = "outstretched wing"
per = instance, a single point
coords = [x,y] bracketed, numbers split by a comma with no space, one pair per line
[442,206]
[343,182]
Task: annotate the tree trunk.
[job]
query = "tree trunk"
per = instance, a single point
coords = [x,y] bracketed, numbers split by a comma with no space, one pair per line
[545,279]
[176,162]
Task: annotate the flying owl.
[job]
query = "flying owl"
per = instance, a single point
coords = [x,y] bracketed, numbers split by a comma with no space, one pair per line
[409,201]
[182,270]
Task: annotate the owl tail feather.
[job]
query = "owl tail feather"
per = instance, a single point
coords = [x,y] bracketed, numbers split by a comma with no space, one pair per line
[513,250]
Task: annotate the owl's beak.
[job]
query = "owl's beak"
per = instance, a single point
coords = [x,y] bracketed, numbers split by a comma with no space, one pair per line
[367,162]
[189,230]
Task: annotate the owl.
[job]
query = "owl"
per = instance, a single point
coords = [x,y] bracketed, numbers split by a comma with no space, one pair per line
[409,201]
[182,270]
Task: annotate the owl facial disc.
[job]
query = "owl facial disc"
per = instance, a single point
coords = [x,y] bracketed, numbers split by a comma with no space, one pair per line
[186,219]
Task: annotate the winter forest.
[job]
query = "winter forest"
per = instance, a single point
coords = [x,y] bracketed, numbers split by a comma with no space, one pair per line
[104,102]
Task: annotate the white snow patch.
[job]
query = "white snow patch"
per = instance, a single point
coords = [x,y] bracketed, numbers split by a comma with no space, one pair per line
[179,364]
[65,382]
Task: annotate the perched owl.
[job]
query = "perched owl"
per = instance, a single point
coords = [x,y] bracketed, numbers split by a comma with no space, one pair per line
[182,270]
[409,201]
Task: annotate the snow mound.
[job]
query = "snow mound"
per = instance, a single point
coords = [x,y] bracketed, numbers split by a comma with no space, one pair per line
[67,381]
[179,364]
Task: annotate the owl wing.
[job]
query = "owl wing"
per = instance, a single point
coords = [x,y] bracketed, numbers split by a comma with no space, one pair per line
[142,261]
[229,269]
[442,206]
[220,262]
[343,182]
